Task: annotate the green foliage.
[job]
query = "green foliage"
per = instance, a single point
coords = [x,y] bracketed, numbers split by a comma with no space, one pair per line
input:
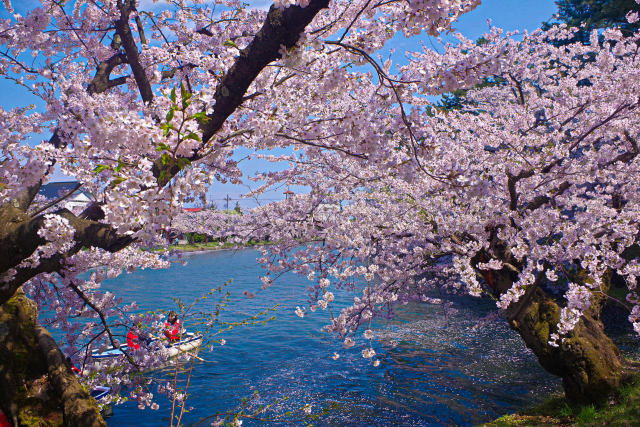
[101,168]
[117,181]
[565,411]
[595,14]
[196,237]
[120,165]
[170,114]
[176,123]
[215,244]
[587,414]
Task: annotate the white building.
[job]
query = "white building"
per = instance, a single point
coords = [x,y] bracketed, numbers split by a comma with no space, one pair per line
[75,202]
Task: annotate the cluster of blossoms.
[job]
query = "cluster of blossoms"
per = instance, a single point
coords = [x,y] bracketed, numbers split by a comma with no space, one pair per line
[72,296]
[541,160]
[58,234]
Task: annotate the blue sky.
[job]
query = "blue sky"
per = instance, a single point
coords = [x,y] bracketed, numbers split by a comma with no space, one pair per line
[507,14]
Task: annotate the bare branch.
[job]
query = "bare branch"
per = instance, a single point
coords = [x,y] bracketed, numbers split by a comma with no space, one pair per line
[56,201]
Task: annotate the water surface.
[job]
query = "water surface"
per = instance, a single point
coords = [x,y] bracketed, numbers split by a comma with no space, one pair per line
[444,371]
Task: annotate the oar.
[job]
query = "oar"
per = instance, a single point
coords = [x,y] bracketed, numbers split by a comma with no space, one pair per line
[193,355]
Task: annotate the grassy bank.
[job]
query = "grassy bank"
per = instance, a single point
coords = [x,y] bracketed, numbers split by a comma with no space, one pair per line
[624,411]
[212,246]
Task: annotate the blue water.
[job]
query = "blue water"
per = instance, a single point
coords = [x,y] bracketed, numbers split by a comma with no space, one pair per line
[443,372]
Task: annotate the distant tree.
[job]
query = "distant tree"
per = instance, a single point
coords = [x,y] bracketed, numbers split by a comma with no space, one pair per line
[237,208]
[594,14]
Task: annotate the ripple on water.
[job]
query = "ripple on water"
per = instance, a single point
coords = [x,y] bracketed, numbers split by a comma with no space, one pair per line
[443,371]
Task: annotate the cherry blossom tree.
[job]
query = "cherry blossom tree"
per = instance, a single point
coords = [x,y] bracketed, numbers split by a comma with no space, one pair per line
[145,109]
[215,224]
[526,194]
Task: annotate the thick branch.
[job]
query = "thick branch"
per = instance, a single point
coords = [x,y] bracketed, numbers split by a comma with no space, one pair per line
[100,82]
[23,201]
[47,265]
[542,200]
[281,28]
[36,385]
[512,180]
[19,239]
[131,49]
[20,236]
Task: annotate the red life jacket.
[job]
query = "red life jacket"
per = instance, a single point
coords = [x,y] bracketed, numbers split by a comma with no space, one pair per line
[172,331]
[76,370]
[132,340]
[4,422]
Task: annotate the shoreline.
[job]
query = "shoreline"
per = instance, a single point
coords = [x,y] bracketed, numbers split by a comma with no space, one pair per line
[200,249]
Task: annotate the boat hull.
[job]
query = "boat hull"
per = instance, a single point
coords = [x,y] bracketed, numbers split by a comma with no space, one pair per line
[186,345]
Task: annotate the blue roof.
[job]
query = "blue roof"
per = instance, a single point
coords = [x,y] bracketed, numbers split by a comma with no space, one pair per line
[53,190]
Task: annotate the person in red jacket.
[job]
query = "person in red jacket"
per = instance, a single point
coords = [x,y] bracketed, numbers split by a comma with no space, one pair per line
[74,368]
[4,422]
[134,340]
[172,327]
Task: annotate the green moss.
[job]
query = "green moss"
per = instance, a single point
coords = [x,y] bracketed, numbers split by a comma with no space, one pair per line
[27,383]
[29,416]
[543,316]
[523,420]
[554,404]
[541,329]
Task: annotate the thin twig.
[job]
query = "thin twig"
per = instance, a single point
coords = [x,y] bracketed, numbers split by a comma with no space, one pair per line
[58,200]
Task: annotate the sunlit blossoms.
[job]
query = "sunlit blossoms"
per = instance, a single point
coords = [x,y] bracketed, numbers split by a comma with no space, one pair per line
[527,165]
[528,188]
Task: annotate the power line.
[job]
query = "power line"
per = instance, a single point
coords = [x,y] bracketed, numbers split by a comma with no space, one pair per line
[242,198]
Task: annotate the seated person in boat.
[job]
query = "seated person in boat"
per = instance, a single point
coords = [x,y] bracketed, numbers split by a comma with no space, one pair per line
[172,327]
[73,367]
[133,340]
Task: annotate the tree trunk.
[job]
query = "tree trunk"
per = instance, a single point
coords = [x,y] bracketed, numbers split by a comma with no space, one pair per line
[36,385]
[589,363]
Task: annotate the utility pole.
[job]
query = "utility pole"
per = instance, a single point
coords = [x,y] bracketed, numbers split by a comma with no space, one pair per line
[227,205]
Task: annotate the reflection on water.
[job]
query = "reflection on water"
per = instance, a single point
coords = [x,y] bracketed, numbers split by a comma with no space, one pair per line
[442,372]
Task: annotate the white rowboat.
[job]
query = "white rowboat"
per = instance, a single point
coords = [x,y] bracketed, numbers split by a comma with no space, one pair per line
[189,342]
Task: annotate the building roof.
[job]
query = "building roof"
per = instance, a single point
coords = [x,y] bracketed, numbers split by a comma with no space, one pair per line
[53,190]
[192,209]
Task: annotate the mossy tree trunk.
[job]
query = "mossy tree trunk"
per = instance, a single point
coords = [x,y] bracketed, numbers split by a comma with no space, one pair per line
[589,363]
[37,388]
